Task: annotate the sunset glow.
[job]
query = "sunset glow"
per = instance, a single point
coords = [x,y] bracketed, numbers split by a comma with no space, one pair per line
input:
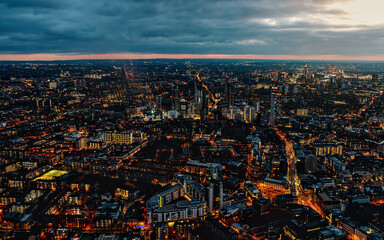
[63,57]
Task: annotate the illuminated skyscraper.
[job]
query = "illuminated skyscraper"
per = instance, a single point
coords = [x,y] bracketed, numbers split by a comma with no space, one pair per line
[204,105]
[229,96]
[272,111]
[183,108]
[249,113]
[306,71]
[198,91]
[275,107]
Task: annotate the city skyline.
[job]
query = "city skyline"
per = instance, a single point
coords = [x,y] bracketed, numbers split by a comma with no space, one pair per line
[192,120]
[192,150]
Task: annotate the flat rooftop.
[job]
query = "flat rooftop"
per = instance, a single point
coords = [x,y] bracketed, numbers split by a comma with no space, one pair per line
[51,175]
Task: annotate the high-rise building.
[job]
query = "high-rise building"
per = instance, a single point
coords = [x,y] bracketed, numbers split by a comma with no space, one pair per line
[183,108]
[221,195]
[272,111]
[229,95]
[175,97]
[204,106]
[306,71]
[210,196]
[81,143]
[257,106]
[198,91]
[249,114]
[275,107]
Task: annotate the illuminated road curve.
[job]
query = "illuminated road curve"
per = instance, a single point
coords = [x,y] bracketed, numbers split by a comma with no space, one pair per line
[304,197]
[291,157]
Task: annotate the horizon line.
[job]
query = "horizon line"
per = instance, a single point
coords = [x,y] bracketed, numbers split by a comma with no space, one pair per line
[144,56]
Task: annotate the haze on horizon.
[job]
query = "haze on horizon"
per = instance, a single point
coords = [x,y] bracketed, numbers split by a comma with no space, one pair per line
[268,29]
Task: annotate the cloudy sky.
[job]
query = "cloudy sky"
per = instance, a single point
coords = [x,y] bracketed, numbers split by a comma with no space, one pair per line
[289,29]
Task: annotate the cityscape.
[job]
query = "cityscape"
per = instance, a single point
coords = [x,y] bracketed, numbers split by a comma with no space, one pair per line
[192,149]
[192,120]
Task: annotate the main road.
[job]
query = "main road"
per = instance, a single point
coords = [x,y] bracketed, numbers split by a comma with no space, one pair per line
[303,197]
[291,157]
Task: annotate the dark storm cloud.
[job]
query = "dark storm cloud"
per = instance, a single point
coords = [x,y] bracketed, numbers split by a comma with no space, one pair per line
[32,4]
[180,26]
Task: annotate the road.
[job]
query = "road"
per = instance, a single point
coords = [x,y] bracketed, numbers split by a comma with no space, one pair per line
[211,96]
[304,197]
[291,157]
[126,206]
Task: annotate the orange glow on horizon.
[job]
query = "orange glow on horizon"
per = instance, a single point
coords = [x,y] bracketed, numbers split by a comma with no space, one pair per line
[121,56]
